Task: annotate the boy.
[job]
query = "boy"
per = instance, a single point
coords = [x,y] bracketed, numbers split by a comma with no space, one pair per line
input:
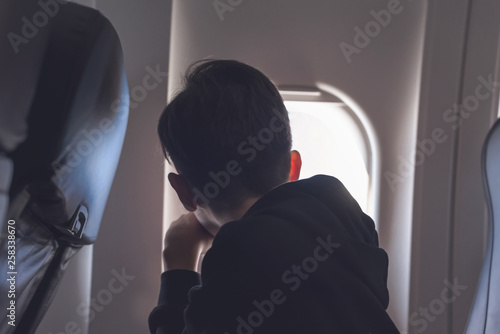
[287,257]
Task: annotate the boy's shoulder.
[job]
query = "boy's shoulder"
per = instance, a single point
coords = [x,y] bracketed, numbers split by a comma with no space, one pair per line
[300,211]
[276,210]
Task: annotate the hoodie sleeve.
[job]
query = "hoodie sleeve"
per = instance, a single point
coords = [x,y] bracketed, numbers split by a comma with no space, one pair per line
[168,316]
[186,306]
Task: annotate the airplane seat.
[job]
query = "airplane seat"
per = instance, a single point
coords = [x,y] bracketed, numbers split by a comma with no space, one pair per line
[63,115]
[485,312]
[6,170]
[12,124]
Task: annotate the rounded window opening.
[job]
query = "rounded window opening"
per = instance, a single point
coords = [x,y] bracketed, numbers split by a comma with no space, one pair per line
[331,141]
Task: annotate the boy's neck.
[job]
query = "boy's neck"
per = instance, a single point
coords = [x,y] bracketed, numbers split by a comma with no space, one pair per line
[213,221]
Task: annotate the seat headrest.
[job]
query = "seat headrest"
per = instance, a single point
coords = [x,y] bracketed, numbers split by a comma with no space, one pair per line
[77,115]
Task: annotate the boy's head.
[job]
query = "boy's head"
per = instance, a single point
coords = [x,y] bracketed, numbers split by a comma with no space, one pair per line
[227,133]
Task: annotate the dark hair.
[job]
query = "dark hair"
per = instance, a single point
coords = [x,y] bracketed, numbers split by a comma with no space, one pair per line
[203,130]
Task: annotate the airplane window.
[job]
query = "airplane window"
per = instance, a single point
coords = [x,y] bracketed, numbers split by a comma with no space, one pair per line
[331,142]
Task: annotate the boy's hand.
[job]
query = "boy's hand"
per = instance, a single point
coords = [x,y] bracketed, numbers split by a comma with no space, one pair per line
[185,240]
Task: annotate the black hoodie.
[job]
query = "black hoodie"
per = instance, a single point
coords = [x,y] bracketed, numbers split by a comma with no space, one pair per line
[303,259]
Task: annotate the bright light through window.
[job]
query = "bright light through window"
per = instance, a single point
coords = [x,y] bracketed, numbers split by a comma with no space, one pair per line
[331,142]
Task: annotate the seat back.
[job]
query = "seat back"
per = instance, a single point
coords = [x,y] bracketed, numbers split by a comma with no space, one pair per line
[14,108]
[5,180]
[63,115]
[485,313]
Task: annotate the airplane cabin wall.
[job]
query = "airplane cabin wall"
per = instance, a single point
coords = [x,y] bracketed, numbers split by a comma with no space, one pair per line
[461,52]
[482,62]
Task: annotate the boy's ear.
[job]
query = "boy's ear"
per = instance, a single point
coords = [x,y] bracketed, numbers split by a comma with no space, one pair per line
[296,164]
[185,194]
